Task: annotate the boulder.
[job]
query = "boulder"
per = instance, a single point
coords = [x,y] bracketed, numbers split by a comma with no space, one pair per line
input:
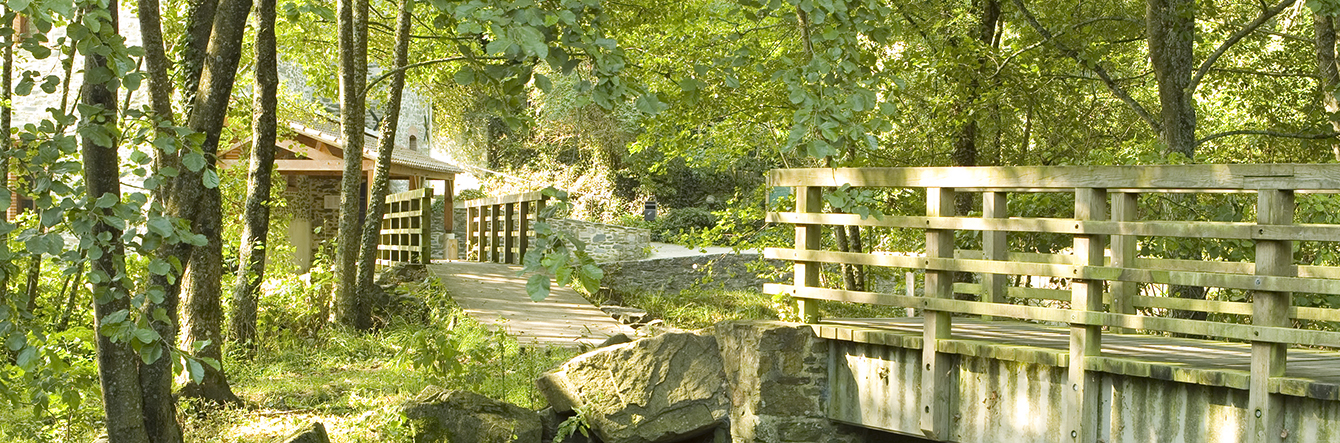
[467,417]
[657,390]
[313,432]
[626,315]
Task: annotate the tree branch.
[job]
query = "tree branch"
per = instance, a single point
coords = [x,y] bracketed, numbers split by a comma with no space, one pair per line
[1265,16]
[1299,135]
[416,65]
[1096,67]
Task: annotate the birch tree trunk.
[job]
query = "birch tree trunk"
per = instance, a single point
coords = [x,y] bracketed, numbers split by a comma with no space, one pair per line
[385,146]
[350,309]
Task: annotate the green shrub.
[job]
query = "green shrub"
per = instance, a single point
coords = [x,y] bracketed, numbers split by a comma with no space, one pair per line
[683,221]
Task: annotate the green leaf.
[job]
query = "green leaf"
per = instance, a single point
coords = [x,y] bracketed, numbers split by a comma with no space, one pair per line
[650,104]
[106,201]
[538,287]
[160,226]
[146,335]
[27,359]
[159,267]
[151,354]
[465,76]
[193,161]
[211,179]
[197,372]
[543,82]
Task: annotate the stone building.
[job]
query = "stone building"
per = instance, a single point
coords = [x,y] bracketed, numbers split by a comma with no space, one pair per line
[311,158]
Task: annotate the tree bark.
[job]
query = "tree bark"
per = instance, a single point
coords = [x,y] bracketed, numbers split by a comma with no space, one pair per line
[381,179]
[1324,26]
[350,309]
[1172,33]
[204,320]
[188,198]
[256,214]
[1171,28]
[117,362]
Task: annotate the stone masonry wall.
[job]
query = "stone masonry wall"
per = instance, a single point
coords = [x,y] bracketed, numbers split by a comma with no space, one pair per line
[607,243]
[777,381]
[675,274]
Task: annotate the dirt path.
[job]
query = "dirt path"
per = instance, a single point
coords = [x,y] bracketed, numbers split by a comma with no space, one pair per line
[496,296]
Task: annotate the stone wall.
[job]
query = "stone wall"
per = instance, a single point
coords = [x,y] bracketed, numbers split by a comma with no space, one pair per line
[607,243]
[777,381]
[672,275]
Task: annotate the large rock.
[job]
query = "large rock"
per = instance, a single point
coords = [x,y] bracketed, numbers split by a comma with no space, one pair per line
[313,432]
[467,417]
[656,390]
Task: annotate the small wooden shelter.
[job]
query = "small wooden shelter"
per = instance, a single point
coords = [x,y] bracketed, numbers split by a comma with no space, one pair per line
[311,158]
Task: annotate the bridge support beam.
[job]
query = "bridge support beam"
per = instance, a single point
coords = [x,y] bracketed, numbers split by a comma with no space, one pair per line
[1081,397]
[937,380]
[1273,257]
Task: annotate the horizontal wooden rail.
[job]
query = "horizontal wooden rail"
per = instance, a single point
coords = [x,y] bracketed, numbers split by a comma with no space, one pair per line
[1221,230]
[1165,178]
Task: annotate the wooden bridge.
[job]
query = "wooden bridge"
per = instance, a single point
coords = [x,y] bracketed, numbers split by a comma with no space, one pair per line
[1087,361]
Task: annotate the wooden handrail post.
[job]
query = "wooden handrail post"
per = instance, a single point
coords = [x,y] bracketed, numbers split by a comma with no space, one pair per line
[1123,256]
[1273,257]
[937,381]
[808,199]
[495,233]
[471,230]
[1081,400]
[994,247]
[523,232]
[509,228]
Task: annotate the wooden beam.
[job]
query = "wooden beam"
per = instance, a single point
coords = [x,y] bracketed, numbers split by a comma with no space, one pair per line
[1186,229]
[1081,400]
[504,199]
[808,200]
[1270,308]
[937,380]
[1162,178]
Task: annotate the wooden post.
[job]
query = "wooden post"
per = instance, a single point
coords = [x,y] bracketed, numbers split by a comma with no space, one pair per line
[1273,257]
[994,247]
[509,235]
[937,380]
[1081,399]
[523,233]
[808,199]
[425,229]
[472,232]
[1123,256]
[495,233]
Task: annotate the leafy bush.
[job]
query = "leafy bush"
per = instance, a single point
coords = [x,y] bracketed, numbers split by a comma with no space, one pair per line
[683,221]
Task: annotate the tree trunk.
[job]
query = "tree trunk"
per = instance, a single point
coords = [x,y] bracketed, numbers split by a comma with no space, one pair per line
[1326,68]
[188,198]
[1172,33]
[256,215]
[350,309]
[385,146]
[1171,26]
[965,142]
[6,143]
[202,299]
[117,362]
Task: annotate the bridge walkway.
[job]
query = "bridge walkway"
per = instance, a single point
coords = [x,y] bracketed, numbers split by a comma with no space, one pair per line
[496,296]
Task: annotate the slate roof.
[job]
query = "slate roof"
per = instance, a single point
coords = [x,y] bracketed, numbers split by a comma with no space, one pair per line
[329,133]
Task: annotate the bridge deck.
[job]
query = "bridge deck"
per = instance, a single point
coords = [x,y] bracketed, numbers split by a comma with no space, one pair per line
[494,295]
[1309,372]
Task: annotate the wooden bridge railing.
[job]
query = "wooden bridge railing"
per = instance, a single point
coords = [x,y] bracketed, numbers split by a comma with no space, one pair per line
[1103,280]
[498,229]
[405,235]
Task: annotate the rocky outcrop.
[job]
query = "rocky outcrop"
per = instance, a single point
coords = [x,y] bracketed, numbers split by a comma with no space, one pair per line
[672,275]
[313,432]
[466,417]
[744,381]
[657,390]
